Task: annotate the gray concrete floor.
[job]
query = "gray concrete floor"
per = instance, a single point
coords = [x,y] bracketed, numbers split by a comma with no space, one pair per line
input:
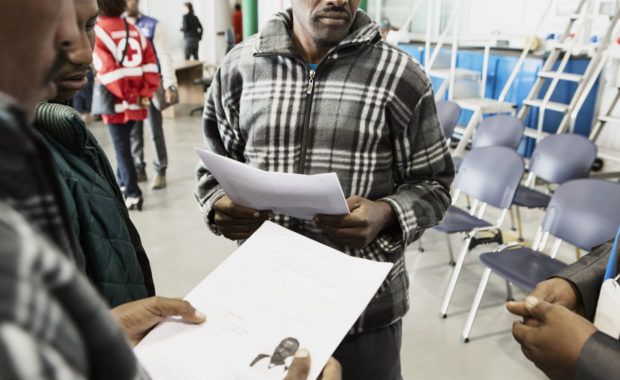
[183,251]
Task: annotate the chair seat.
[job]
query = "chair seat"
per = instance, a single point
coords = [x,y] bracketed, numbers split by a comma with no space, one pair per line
[522,266]
[457,220]
[531,198]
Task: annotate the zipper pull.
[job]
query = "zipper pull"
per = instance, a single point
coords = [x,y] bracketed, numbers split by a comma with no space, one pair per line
[311,82]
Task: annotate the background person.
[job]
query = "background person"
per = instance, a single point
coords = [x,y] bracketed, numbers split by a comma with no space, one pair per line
[127,67]
[165,95]
[192,32]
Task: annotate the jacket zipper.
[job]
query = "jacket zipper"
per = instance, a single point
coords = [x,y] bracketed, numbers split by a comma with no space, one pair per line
[306,126]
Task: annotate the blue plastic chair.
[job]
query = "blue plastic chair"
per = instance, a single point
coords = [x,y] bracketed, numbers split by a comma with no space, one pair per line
[556,159]
[448,114]
[583,213]
[500,130]
[489,175]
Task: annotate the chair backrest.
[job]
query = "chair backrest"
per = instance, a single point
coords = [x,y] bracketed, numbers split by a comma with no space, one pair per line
[564,157]
[500,130]
[584,212]
[491,174]
[448,114]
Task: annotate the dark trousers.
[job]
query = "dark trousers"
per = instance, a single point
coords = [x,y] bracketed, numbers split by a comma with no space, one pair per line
[156,123]
[191,48]
[126,171]
[372,355]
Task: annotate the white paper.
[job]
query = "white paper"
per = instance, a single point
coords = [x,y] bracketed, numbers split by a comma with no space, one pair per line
[297,195]
[277,285]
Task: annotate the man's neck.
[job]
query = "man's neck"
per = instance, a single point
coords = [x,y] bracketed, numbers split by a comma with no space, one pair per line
[309,50]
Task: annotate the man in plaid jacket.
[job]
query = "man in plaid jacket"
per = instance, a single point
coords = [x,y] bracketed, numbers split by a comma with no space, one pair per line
[318,91]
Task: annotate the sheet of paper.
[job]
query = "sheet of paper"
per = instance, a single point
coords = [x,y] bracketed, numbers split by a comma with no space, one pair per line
[277,292]
[296,195]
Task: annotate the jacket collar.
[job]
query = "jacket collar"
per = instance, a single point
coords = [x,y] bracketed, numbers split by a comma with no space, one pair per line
[63,124]
[275,38]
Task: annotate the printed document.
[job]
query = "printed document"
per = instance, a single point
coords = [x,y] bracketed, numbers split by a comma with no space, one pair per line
[277,293]
[296,195]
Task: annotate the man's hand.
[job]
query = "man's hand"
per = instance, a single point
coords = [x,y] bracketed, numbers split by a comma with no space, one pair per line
[137,318]
[144,102]
[237,222]
[172,97]
[301,368]
[556,291]
[358,229]
[556,340]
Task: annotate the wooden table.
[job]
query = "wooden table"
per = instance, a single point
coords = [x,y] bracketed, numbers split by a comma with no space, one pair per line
[190,94]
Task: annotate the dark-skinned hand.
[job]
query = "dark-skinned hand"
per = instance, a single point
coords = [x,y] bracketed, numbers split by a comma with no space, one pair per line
[301,368]
[237,222]
[361,226]
[137,318]
[555,341]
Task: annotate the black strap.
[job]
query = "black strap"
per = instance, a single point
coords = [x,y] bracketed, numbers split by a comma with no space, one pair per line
[126,42]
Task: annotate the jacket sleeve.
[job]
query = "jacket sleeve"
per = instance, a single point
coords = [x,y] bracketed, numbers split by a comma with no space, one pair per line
[587,275]
[598,359]
[165,57]
[152,79]
[222,136]
[199,28]
[424,171]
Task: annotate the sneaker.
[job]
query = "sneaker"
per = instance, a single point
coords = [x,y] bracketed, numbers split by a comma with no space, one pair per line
[159,182]
[141,172]
[134,203]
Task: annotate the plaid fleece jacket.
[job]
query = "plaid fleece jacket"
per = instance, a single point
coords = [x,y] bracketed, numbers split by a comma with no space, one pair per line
[367,113]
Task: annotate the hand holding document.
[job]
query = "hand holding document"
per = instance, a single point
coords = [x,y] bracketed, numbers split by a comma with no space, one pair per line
[277,293]
[296,195]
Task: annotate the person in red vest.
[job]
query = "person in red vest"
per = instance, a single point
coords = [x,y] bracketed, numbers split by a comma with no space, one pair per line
[237,21]
[126,65]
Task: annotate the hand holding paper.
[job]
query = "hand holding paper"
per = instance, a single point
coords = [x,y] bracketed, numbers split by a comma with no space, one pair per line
[296,195]
[277,293]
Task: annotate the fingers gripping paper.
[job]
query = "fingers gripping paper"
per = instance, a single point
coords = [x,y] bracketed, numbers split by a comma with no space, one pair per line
[278,292]
[296,195]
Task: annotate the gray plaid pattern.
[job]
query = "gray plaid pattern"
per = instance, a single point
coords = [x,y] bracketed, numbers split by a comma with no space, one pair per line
[53,325]
[370,117]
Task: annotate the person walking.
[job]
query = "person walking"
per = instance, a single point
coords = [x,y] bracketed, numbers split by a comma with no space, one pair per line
[192,32]
[166,95]
[127,68]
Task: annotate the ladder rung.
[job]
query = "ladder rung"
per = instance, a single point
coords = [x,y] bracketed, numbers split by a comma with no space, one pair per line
[553,106]
[562,76]
[533,133]
[610,119]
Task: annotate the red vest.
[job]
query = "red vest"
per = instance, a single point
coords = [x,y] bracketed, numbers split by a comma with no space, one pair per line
[138,74]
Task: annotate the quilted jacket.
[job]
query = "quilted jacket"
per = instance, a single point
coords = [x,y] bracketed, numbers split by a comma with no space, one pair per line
[115,259]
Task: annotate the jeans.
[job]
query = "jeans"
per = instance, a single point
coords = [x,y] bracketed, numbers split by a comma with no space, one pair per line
[372,355]
[191,48]
[155,122]
[126,171]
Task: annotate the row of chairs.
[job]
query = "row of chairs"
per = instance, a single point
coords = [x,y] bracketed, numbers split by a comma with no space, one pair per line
[582,212]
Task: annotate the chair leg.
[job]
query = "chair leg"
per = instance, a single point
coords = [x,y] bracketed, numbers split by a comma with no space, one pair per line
[509,294]
[519,223]
[450,251]
[512,219]
[476,305]
[454,278]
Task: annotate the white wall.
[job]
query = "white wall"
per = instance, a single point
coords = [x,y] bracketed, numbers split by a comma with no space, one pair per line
[267,8]
[215,15]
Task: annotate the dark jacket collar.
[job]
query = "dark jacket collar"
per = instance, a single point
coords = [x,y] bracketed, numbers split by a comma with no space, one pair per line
[275,38]
[63,124]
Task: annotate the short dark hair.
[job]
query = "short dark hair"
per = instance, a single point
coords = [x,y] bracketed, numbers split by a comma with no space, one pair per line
[238,7]
[112,8]
[190,7]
